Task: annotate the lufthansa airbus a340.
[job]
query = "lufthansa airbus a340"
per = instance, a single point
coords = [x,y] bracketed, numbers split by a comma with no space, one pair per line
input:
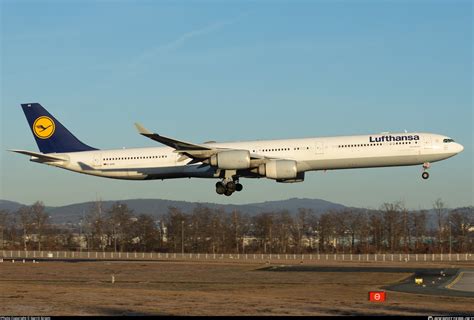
[284,161]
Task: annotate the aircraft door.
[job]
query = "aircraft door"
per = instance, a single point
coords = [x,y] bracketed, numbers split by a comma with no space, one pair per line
[427,143]
[97,161]
[319,147]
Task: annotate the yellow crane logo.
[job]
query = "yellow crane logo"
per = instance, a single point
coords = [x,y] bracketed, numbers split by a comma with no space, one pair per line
[44,127]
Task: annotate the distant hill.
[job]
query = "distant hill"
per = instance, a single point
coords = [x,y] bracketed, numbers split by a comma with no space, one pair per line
[156,207]
[293,204]
[9,205]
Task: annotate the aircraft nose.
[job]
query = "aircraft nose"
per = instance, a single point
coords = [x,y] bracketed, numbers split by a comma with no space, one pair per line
[459,147]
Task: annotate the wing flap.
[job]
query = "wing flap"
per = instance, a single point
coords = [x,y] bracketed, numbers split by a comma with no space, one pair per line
[200,154]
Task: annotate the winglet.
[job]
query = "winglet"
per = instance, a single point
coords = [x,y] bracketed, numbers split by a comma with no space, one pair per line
[141,129]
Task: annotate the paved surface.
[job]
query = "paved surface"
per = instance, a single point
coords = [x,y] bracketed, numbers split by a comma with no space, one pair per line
[310,268]
[436,281]
[463,282]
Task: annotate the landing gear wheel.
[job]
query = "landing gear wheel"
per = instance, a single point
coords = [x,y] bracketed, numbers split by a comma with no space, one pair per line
[228,193]
[238,187]
[231,186]
[220,189]
[425,175]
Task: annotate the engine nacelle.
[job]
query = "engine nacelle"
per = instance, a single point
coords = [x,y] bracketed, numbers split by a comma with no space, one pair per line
[299,178]
[231,160]
[279,169]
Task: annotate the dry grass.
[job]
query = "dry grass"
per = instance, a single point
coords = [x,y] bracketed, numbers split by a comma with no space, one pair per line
[173,288]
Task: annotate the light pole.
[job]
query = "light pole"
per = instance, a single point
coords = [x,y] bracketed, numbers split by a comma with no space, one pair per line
[80,231]
[115,239]
[80,235]
[450,242]
[115,230]
[182,237]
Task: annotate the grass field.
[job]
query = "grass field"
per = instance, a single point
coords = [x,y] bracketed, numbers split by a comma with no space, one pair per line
[177,288]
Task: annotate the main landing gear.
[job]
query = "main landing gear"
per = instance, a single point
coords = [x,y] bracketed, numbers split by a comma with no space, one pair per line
[425,175]
[228,187]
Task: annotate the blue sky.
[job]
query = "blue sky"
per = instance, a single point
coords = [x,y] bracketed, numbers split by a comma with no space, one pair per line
[242,70]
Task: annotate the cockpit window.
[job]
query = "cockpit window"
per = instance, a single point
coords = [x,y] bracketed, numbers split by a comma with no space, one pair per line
[448,140]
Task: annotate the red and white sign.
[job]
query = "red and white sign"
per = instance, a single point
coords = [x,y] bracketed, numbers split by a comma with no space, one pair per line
[377,296]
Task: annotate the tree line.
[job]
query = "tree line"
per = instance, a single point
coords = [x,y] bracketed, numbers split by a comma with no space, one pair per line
[390,229]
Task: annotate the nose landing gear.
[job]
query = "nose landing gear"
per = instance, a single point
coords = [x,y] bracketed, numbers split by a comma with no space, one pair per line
[425,175]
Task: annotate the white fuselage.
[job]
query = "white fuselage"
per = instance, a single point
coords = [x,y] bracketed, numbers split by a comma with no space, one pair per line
[364,151]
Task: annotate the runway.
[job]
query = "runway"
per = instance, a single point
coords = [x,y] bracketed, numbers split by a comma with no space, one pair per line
[463,282]
[436,281]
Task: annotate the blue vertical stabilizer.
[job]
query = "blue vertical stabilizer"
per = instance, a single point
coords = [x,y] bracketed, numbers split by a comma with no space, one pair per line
[50,135]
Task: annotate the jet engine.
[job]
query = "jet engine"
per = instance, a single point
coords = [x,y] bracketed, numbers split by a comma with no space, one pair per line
[299,178]
[231,160]
[279,169]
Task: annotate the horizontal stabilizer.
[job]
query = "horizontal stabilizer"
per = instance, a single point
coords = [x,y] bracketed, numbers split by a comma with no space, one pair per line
[46,157]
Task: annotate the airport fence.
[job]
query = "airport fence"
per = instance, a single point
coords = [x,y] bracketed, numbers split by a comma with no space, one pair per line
[257,258]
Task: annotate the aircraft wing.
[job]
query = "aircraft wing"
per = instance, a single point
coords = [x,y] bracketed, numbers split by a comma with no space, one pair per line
[41,156]
[173,143]
[188,150]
